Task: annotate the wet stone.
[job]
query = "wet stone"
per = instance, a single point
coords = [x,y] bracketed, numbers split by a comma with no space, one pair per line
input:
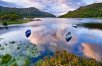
[75,26]
[68,36]
[28,33]
[13,42]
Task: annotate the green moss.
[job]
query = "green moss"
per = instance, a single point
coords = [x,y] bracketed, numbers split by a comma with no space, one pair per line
[14,64]
[5,59]
[27,62]
[1,48]
[33,52]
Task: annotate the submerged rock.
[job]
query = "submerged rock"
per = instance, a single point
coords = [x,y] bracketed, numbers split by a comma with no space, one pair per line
[68,36]
[28,33]
[12,42]
[75,26]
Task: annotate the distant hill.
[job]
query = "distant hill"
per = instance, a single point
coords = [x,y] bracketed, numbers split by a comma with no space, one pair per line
[93,10]
[24,12]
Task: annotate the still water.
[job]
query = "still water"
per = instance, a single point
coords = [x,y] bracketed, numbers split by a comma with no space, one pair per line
[49,35]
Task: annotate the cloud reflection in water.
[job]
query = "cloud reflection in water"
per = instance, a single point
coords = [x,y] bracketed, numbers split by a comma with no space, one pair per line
[52,37]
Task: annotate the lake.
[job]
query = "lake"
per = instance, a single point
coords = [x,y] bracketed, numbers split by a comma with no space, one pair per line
[48,35]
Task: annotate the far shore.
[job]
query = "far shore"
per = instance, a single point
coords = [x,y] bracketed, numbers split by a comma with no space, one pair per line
[91,25]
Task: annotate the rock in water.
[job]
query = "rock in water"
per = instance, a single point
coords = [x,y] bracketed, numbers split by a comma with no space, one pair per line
[68,36]
[75,26]
[28,33]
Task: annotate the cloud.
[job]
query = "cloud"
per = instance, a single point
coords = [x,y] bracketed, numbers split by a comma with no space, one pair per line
[56,7]
[8,4]
[98,1]
[25,3]
[59,7]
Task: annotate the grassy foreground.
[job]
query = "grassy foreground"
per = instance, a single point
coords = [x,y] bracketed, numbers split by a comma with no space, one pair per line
[63,58]
[60,58]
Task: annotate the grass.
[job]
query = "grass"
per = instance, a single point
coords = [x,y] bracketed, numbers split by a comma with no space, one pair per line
[14,22]
[8,60]
[60,58]
[63,58]
[92,25]
[5,59]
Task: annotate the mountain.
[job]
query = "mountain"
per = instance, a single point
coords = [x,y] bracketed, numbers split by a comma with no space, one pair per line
[93,10]
[24,12]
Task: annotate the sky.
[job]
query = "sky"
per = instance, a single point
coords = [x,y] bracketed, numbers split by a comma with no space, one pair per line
[56,7]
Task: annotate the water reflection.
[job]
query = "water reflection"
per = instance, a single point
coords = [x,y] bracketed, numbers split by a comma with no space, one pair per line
[53,37]
[49,35]
[92,50]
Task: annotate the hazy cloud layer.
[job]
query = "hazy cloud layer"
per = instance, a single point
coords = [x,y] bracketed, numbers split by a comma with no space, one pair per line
[8,4]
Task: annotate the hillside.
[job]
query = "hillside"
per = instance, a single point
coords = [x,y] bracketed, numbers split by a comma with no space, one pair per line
[24,12]
[93,10]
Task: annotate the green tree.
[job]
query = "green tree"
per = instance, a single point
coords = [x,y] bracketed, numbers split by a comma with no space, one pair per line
[5,24]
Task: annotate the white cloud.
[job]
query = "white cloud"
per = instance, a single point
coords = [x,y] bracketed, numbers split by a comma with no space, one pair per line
[25,3]
[52,6]
[98,1]
[89,1]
